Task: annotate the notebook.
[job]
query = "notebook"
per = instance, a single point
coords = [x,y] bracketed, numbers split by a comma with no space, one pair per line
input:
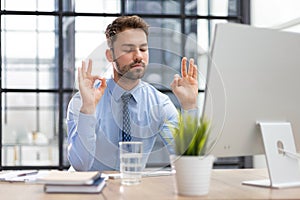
[96,187]
[69,178]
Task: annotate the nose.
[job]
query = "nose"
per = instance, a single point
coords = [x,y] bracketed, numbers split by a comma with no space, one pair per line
[138,56]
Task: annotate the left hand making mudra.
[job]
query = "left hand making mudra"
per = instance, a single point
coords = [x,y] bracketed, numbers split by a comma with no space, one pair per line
[185,87]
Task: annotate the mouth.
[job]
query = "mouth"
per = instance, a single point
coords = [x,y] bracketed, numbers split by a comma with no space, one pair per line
[138,65]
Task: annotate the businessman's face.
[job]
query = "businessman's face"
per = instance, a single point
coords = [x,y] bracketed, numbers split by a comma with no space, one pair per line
[130,52]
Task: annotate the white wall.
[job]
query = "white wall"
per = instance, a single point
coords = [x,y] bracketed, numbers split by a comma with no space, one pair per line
[274,14]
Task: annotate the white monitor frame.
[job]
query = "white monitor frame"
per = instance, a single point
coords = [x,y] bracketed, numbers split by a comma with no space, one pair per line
[253,76]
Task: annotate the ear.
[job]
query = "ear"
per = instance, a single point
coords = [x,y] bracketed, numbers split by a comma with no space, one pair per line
[109,55]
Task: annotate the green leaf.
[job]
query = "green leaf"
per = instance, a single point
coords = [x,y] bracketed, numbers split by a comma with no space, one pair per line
[191,135]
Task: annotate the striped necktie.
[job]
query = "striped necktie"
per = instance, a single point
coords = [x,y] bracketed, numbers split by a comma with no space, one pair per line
[126,118]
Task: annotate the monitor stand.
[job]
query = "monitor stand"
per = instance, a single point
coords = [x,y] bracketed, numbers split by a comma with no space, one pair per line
[281,156]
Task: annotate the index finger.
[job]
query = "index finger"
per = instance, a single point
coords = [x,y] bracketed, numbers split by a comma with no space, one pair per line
[82,69]
[191,67]
[89,69]
[195,72]
[183,67]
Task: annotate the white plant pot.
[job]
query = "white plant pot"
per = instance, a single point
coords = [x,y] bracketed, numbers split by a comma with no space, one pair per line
[192,174]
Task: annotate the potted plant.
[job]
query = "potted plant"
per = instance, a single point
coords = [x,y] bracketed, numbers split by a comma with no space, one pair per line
[193,167]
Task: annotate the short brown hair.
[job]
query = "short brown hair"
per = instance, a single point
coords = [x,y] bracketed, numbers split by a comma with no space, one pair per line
[122,23]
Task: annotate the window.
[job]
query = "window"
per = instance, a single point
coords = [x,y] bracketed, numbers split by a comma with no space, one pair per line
[43,43]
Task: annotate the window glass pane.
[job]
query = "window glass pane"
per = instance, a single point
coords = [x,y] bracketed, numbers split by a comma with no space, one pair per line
[41,109]
[48,100]
[15,128]
[202,7]
[98,24]
[153,6]
[28,5]
[17,100]
[34,152]
[21,35]
[69,51]
[26,76]
[14,77]
[19,23]
[91,45]
[165,41]
[38,155]
[46,23]
[97,6]
[47,79]
[37,136]
[29,100]
[69,77]
[88,37]
[48,122]
[66,99]
[46,45]
[88,42]
[203,38]
[48,5]
[203,57]
[217,8]
[27,48]
[190,7]
[20,45]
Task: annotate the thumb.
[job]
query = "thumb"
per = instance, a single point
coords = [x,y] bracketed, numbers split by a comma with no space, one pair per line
[100,90]
[103,83]
[175,82]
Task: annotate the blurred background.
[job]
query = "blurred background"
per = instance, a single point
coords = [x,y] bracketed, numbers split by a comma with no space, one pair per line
[43,43]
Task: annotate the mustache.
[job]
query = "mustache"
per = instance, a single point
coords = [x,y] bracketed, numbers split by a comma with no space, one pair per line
[137,62]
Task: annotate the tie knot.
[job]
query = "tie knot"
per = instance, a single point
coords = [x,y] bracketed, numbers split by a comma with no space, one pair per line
[126,97]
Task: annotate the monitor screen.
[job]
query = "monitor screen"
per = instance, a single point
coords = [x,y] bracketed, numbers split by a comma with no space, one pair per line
[253,75]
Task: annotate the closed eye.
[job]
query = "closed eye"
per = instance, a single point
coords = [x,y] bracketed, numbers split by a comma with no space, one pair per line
[144,49]
[127,48]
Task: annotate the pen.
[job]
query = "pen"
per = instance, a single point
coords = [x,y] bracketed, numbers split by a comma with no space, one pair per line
[27,173]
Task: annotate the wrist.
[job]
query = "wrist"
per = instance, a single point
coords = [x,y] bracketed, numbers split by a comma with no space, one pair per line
[87,109]
[189,106]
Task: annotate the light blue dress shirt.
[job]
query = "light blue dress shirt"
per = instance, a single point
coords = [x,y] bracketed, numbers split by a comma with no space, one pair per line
[93,139]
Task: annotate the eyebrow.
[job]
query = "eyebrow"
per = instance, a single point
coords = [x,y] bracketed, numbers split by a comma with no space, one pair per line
[133,45]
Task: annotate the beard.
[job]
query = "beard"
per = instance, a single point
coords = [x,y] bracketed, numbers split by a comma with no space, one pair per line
[130,71]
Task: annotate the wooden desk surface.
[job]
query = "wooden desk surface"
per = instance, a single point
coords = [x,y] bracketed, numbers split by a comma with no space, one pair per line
[225,184]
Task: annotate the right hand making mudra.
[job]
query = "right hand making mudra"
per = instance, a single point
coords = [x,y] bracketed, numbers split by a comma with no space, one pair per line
[89,94]
[185,87]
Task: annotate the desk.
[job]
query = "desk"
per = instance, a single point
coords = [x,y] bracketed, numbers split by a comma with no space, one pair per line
[225,184]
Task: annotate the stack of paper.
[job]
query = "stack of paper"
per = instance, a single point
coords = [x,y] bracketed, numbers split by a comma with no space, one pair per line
[72,182]
[19,175]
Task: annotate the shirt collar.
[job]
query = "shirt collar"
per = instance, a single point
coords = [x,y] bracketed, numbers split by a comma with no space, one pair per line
[116,91]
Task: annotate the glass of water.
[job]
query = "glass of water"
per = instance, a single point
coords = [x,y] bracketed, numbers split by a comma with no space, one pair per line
[131,162]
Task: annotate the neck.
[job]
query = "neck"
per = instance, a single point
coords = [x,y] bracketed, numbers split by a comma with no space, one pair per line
[125,83]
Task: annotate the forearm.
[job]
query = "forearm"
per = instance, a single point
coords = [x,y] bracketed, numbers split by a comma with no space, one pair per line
[82,140]
[79,157]
[81,136]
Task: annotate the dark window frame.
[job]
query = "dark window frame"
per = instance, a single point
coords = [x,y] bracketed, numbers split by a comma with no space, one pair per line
[243,16]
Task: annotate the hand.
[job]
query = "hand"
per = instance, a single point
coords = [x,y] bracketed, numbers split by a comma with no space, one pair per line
[89,94]
[185,88]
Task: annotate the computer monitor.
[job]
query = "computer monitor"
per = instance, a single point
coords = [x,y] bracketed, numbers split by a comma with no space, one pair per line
[253,99]
[253,75]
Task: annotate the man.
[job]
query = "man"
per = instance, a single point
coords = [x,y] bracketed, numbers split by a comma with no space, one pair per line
[95,114]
